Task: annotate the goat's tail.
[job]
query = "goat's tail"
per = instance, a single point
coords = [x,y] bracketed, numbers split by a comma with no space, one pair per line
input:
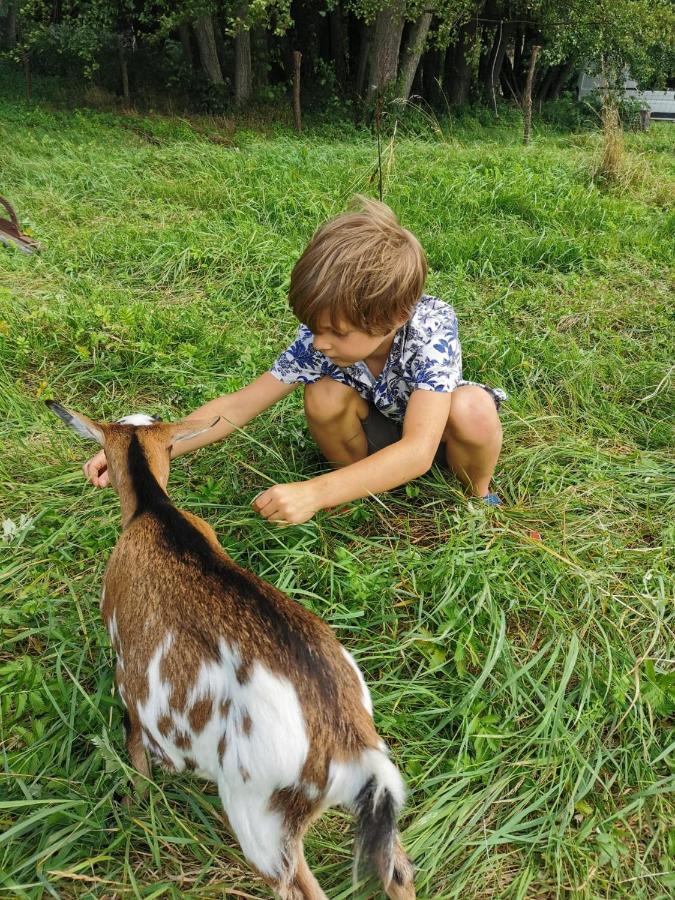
[377,844]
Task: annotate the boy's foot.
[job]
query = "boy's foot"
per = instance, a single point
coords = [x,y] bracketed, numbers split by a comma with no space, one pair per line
[491,500]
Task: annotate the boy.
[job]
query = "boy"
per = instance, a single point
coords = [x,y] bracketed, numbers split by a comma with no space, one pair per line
[381,366]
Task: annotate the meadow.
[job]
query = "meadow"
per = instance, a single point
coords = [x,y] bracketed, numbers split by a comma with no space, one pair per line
[520,659]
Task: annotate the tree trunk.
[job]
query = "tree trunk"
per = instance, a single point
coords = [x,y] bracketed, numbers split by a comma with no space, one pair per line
[208,53]
[260,56]
[12,14]
[458,68]
[561,78]
[28,72]
[338,46]
[432,70]
[412,54]
[488,36]
[546,82]
[386,44]
[417,89]
[243,80]
[503,34]
[219,35]
[509,86]
[518,73]
[309,32]
[186,44]
[527,95]
[124,69]
[364,60]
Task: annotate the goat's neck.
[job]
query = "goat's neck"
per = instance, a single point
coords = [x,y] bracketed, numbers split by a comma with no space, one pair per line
[138,481]
[127,495]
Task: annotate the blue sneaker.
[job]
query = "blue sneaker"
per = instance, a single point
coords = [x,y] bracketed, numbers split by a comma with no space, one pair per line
[491,500]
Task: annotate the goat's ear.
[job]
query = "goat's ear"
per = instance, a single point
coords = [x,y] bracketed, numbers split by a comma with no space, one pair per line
[79,423]
[189,428]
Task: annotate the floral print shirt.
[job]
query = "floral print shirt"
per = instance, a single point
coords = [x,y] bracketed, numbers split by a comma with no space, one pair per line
[425,356]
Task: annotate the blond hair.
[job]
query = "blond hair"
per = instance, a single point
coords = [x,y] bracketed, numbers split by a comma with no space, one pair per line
[361,266]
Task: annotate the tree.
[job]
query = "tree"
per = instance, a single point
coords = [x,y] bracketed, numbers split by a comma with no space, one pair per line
[387,32]
[611,37]
[338,44]
[243,74]
[477,49]
[208,52]
[74,32]
[460,61]
[412,53]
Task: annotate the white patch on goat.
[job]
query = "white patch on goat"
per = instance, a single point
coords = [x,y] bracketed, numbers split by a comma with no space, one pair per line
[259,829]
[272,753]
[115,639]
[347,779]
[266,743]
[264,727]
[365,693]
[137,419]
[311,790]
[157,705]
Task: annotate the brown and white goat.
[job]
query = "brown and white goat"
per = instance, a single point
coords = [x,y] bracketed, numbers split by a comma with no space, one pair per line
[223,674]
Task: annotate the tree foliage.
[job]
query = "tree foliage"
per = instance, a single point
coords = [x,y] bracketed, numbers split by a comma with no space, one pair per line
[352,49]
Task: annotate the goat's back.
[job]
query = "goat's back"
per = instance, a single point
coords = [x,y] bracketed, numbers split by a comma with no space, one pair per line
[194,632]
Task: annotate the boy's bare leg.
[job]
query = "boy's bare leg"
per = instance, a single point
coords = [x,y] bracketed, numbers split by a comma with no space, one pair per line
[335,414]
[473,438]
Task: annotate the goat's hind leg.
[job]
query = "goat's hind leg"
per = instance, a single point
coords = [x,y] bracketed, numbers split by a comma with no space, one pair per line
[303,885]
[267,844]
[137,752]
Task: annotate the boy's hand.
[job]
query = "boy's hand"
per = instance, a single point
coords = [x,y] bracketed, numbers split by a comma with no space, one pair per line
[96,470]
[289,503]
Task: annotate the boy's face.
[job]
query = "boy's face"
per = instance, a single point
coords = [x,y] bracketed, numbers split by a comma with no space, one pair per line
[345,345]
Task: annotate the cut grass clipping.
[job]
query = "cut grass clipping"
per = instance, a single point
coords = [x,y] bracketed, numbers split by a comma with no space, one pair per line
[520,659]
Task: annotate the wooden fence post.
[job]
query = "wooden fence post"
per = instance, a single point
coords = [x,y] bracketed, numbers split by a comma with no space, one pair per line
[527,95]
[297,58]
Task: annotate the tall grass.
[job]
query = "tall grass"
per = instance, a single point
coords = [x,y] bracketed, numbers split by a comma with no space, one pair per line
[524,685]
[610,165]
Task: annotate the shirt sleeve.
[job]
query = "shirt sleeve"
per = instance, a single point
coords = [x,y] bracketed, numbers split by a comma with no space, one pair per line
[300,363]
[437,365]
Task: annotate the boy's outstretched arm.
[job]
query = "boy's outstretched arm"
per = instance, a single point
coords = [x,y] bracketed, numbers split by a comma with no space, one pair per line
[412,456]
[235,410]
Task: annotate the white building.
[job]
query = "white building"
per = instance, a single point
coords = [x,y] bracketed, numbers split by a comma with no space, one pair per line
[660,103]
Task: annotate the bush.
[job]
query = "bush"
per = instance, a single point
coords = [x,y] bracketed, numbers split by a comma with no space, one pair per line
[628,109]
[570,114]
[566,113]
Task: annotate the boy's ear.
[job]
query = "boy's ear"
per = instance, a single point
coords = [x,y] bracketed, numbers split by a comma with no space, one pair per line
[189,428]
[80,424]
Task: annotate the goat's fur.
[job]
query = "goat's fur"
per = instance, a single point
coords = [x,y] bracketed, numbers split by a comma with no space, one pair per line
[224,675]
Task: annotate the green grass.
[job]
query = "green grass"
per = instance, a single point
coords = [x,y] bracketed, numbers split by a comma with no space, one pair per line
[525,686]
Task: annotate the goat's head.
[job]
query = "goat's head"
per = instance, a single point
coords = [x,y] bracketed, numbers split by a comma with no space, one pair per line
[155,437]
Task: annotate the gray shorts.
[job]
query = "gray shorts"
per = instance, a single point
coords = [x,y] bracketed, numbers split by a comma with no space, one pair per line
[381,431]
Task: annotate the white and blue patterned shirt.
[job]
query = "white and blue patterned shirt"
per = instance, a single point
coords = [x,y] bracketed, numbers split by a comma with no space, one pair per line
[425,355]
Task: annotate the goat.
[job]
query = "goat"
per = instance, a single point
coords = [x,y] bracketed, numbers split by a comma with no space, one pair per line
[223,674]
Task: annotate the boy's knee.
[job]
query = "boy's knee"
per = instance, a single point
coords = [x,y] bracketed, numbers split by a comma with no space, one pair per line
[327,400]
[473,416]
